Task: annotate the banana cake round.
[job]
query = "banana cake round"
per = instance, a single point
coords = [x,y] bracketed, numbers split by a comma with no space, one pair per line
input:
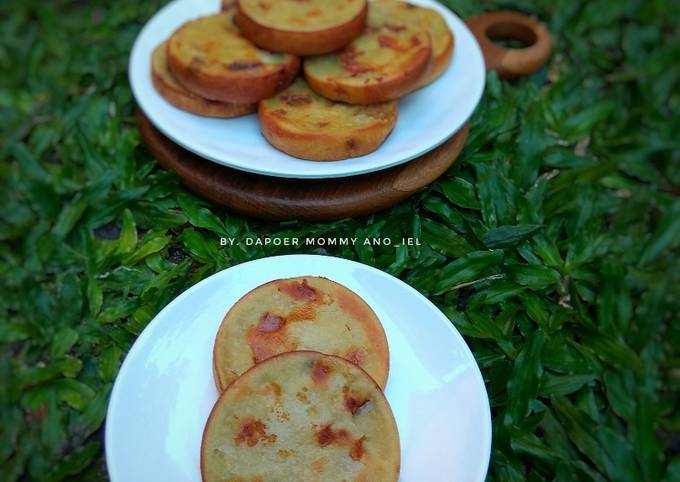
[172,91]
[308,27]
[387,61]
[303,313]
[211,58]
[303,124]
[301,416]
[396,12]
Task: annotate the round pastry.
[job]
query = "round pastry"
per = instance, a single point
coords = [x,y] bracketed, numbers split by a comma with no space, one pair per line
[384,63]
[306,313]
[177,95]
[392,12]
[308,27]
[303,124]
[301,416]
[211,58]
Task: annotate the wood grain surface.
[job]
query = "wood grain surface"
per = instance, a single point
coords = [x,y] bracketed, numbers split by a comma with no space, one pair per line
[274,198]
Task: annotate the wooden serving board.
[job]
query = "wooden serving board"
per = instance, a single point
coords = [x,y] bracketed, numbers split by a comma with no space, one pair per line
[275,198]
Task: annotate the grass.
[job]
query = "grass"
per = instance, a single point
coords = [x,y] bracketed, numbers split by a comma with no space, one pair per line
[552,244]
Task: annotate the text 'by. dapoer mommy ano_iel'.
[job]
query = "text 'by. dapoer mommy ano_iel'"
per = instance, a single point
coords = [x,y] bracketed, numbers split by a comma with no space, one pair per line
[320,242]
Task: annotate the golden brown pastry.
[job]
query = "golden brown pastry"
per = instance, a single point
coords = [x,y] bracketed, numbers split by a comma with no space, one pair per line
[393,12]
[303,124]
[301,416]
[306,313]
[308,27]
[209,57]
[387,61]
[177,95]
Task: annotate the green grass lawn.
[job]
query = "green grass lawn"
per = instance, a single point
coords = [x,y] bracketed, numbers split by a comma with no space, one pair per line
[552,244]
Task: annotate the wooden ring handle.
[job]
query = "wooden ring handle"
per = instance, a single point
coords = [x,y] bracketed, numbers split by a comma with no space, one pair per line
[511,63]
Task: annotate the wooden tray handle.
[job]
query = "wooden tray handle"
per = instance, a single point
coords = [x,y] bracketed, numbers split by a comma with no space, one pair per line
[511,63]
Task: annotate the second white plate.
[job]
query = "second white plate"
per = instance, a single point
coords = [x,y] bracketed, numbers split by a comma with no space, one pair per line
[427,118]
[165,390]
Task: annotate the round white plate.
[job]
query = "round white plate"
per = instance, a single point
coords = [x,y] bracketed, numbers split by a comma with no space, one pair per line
[165,391]
[426,118]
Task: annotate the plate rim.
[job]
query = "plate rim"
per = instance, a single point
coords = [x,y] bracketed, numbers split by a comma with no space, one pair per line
[301,173]
[155,321]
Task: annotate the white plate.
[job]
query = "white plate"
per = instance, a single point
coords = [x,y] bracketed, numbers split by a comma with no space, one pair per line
[426,118]
[165,391]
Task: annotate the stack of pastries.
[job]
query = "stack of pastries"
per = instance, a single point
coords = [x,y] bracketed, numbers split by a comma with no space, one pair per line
[301,364]
[323,75]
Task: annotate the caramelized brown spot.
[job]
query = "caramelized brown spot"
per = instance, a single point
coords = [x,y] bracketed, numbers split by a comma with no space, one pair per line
[266,345]
[243,65]
[320,372]
[327,436]
[353,405]
[270,336]
[391,43]
[269,323]
[351,144]
[276,388]
[283,453]
[264,6]
[314,13]
[299,291]
[323,124]
[357,450]
[353,402]
[251,432]
[296,99]
[356,355]
[348,59]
